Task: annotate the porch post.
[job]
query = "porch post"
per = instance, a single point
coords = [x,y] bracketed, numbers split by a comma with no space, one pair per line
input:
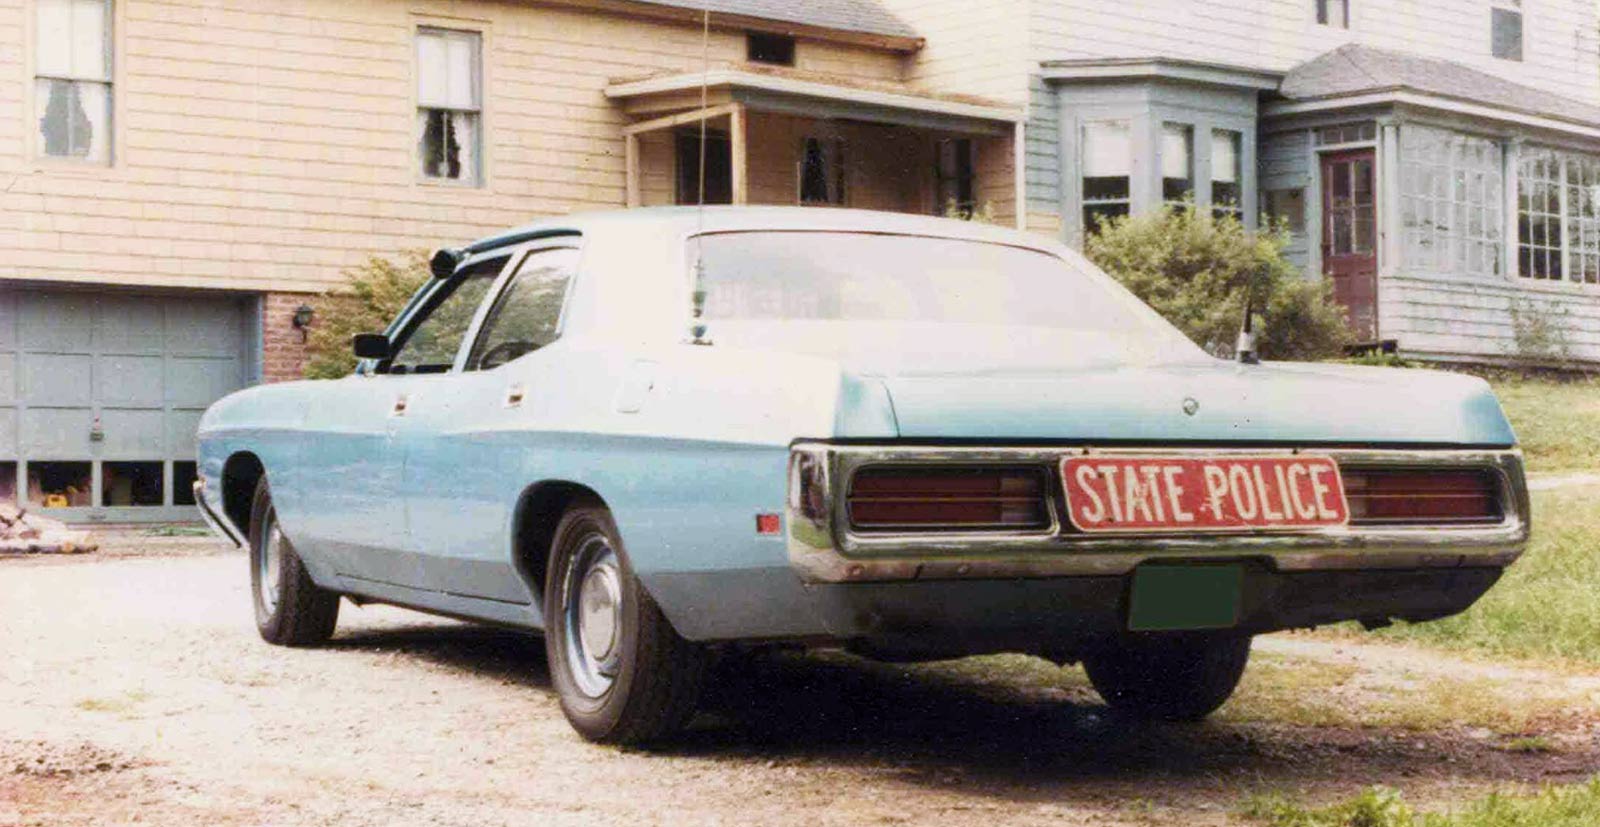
[630,153]
[740,157]
[1392,241]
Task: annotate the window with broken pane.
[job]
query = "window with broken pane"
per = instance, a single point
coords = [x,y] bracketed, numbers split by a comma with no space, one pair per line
[449,104]
[822,172]
[1451,201]
[72,79]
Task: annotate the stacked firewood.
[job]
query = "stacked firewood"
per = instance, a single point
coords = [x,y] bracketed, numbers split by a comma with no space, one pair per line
[23,532]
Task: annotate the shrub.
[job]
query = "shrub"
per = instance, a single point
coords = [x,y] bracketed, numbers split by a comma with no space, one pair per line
[1197,271]
[373,294]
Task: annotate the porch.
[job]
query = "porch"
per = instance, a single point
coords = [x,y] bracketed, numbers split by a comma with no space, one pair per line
[787,138]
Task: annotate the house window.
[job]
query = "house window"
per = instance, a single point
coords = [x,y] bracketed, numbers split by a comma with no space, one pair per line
[1107,168]
[1334,13]
[449,104]
[1451,202]
[1347,133]
[955,178]
[1505,31]
[776,49]
[72,79]
[1177,163]
[1558,217]
[822,172]
[1227,174]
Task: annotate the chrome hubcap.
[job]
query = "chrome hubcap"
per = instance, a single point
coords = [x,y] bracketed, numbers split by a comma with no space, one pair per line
[269,564]
[592,611]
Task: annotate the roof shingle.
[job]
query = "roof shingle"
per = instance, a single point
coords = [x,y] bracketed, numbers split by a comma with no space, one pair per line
[864,16]
[1354,69]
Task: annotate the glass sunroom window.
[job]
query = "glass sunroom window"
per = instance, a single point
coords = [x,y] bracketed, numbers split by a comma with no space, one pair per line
[1558,216]
[1451,201]
[1107,171]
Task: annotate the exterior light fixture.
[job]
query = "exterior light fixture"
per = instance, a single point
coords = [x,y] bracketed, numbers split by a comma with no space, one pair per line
[302,320]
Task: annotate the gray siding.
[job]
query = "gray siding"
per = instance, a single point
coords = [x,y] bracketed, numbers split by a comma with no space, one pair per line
[1286,163]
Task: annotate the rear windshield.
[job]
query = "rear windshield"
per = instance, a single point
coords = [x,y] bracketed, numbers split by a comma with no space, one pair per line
[861,277]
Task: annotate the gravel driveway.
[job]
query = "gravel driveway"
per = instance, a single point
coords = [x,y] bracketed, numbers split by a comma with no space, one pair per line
[135,690]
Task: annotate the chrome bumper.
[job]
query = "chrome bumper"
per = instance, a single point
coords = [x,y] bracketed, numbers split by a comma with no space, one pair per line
[215,520]
[826,550]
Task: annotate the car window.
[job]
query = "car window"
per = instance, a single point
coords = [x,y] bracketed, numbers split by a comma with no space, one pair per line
[527,315]
[431,344]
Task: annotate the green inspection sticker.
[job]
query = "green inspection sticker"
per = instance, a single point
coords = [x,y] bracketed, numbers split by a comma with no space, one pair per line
[1175,598]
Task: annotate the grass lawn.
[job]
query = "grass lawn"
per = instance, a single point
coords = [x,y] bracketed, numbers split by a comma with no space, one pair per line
[1557,422]
[1548,603]
[1574,806]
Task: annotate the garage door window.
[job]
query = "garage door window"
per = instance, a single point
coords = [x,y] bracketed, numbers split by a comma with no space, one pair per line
[59,484]
[131,483]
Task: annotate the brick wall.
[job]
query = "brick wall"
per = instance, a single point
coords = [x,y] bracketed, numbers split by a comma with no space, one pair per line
[283,355]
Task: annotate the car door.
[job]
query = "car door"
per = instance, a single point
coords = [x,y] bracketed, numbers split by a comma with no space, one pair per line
[354,512]
[464,445]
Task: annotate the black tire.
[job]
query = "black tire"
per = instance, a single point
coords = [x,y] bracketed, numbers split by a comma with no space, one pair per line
[301,614]
[1169,677]
[648,683]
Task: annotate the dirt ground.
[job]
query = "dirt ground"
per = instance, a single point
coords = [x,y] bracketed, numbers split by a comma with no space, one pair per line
[133,689]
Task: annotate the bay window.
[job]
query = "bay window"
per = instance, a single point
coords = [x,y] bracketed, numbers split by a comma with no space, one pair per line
[1107,172]
[72,79]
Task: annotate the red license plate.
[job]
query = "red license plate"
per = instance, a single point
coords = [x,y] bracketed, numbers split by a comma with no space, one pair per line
[1185,493]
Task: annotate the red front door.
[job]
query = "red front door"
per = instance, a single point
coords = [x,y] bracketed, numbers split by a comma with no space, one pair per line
[1349,238]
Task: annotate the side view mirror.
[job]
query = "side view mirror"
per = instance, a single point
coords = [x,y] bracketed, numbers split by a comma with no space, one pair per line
[370,346]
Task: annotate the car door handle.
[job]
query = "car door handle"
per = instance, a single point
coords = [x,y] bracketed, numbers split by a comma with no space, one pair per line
[400,404]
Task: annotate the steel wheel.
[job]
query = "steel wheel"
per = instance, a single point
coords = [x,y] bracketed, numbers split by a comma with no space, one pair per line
[270,563]
[592,619]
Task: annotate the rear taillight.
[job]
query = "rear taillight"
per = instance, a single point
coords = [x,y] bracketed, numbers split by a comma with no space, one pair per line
[948,498]
[1421,497]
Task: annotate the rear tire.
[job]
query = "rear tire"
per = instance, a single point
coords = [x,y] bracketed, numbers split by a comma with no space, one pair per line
[623,674]
[290,609]
[1169,677]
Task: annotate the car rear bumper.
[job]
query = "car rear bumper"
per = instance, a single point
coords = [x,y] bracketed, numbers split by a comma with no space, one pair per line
[824,549]
[1057,616]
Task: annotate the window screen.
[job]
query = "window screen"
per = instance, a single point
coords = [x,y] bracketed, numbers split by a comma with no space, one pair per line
[1451,197]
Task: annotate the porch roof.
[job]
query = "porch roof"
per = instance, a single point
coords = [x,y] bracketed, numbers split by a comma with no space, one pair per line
[814,95]
[1357,75]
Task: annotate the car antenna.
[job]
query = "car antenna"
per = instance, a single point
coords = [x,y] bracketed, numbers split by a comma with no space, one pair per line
[1246,346]
[697,325]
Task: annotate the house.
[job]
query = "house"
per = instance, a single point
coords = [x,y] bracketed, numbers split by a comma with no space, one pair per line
[1436,160]
[177,178]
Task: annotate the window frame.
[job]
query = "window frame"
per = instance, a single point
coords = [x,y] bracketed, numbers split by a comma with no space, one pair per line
[499,292]
[1085,203]
[1564,251]
[32,102]
[786,44]
[479,175]
[1185,132]
[1236,208]
[1508,9]
[1321,14]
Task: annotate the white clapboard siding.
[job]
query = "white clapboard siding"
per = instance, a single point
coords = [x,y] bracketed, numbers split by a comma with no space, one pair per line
[1456,316]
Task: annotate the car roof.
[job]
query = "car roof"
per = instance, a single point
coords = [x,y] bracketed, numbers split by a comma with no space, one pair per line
[691,220]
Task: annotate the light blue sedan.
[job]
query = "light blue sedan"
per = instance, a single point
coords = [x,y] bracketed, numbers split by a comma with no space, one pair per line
[655,435]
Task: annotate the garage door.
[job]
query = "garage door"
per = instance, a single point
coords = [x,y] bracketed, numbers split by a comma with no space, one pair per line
[100,394]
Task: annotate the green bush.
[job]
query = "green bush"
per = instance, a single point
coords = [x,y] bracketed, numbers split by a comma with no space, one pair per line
[1197,271]
[373,294]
